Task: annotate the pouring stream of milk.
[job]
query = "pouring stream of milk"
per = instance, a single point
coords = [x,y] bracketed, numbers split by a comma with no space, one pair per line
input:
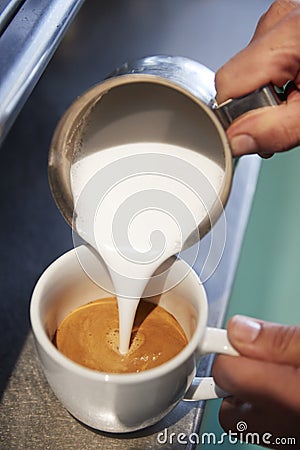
[137,218]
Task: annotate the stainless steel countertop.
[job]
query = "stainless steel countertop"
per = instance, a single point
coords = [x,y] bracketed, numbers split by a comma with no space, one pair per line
[32,232]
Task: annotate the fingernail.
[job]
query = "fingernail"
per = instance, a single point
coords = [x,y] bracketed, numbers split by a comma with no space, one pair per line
[244,329]
[243,144]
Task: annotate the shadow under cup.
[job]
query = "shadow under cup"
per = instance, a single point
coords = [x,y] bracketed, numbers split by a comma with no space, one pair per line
[116,402]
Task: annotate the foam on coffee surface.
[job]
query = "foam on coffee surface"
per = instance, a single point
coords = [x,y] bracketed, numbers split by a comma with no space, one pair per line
[90,336]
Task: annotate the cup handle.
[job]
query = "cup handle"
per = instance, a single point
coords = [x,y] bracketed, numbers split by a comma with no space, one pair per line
[205,388]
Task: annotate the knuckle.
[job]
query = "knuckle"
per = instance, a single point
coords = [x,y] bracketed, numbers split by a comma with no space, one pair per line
[284,338]
[261,20]
[282,7]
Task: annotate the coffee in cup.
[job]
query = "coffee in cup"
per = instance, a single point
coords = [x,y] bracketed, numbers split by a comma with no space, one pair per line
[89,336]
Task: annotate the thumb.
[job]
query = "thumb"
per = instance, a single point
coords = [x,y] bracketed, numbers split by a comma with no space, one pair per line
[265,341]
[267,130]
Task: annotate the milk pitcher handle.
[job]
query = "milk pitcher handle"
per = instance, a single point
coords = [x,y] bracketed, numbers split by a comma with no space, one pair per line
[205,388]
[235,107]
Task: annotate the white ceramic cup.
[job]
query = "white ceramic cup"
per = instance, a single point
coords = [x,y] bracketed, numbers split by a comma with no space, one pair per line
[123,402]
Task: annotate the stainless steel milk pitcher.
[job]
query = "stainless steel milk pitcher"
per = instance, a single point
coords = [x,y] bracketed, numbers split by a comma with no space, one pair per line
[124,108]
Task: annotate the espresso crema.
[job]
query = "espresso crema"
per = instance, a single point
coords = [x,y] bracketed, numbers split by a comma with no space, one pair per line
[90,337]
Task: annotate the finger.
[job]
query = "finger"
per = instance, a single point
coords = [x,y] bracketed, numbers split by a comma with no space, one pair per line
[259,382]
[273,58]
[277,11]
[267,130]
[270,424]
[265,341]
